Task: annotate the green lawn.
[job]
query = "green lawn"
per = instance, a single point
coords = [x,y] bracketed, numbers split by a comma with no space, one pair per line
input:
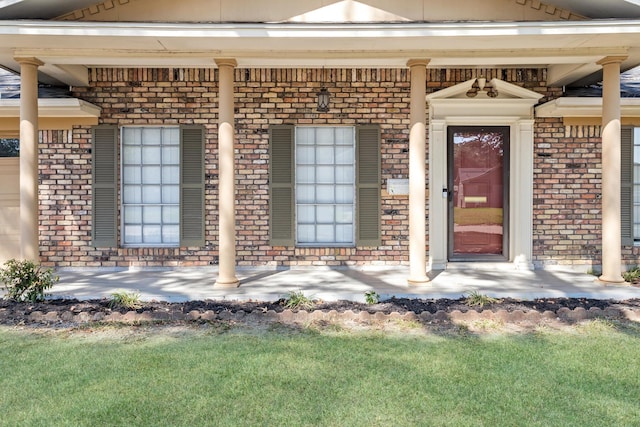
[589,376]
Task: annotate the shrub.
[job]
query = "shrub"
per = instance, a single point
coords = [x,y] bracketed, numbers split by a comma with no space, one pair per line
[475,298]
[371,297]
[632,275]
[123,299]
[298,300]
[26,281]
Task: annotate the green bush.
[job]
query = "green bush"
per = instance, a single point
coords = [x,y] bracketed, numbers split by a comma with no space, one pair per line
[26,281]
[123,299]
[631,276]
[297,300]
[475,298]
[371,297]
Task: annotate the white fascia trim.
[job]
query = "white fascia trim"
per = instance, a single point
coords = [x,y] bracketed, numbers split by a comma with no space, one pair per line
[585,107]
[322,31]
[52,107]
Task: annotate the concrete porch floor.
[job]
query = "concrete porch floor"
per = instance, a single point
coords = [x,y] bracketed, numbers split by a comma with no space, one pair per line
[183,284]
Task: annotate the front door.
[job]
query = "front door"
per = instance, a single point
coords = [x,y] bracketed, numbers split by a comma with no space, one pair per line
[478,183]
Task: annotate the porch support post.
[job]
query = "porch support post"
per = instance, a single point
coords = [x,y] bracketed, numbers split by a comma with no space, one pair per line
[226,176]
[611,164]
[417,173]
[29,224]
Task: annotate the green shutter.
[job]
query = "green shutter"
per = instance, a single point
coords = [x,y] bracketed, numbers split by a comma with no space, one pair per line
[104,194]
[368,186]
[192,186]
[626,186]
[281,185]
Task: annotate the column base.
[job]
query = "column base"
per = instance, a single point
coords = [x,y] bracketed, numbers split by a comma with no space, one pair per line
[227,283]
[417,281]
[611,279]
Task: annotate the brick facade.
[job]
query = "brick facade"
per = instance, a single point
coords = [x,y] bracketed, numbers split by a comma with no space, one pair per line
[566,228]
[566,206]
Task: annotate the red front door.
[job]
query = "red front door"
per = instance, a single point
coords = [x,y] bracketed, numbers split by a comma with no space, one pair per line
[478,183]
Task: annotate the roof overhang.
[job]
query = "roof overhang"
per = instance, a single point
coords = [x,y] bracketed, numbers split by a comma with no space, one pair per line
[570,49]
[47,9]
[53,113]
[588,111]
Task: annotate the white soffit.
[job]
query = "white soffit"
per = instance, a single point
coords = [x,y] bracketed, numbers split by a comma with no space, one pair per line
[53,107]
[585,107]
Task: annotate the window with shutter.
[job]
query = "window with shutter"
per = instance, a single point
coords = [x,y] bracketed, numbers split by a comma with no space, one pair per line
[162,186]
[325,186]
[150,186]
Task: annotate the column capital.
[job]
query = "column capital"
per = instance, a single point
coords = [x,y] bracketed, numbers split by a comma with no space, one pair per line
[226,62]
[418,62]
[611,60]
[28,60]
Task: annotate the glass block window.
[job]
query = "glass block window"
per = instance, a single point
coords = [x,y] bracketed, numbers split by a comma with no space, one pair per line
[325,186]
[151,186]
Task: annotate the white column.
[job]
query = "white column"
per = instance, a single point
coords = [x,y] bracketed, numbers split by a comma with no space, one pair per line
[417,173]
[226,176]
[611,164]
[29,223]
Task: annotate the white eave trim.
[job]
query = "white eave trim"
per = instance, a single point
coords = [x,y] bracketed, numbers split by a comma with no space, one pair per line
[585,107]
[53,107]
[322,30]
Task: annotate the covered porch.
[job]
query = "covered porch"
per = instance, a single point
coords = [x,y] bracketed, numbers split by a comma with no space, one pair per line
[56,50]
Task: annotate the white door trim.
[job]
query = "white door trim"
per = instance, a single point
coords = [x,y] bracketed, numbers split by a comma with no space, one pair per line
[454,110]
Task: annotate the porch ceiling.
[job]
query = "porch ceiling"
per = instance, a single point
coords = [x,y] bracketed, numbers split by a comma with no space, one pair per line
[569,49]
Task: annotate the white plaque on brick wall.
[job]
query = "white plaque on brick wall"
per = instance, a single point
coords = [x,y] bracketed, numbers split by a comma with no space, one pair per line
[398,187]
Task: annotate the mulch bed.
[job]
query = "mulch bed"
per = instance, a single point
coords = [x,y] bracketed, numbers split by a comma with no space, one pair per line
[70,311]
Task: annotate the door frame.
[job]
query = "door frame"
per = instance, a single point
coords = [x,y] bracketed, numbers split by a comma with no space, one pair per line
[504,256]
[513,107]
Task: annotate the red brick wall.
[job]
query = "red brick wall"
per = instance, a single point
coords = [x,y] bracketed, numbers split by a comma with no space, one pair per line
[566,206]
[567,175]
[263,97]
[65,198]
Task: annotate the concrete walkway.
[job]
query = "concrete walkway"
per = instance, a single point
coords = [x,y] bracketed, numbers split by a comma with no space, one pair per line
[178,285]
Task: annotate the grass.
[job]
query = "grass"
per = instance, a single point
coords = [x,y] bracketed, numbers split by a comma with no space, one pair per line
[200,376]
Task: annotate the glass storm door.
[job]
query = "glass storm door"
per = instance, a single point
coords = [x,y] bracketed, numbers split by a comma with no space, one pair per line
[478,187]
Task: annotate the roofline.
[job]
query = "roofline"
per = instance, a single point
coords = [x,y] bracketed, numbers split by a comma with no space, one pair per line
[319,30]
[578,44]
[53,107]
[585,107]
